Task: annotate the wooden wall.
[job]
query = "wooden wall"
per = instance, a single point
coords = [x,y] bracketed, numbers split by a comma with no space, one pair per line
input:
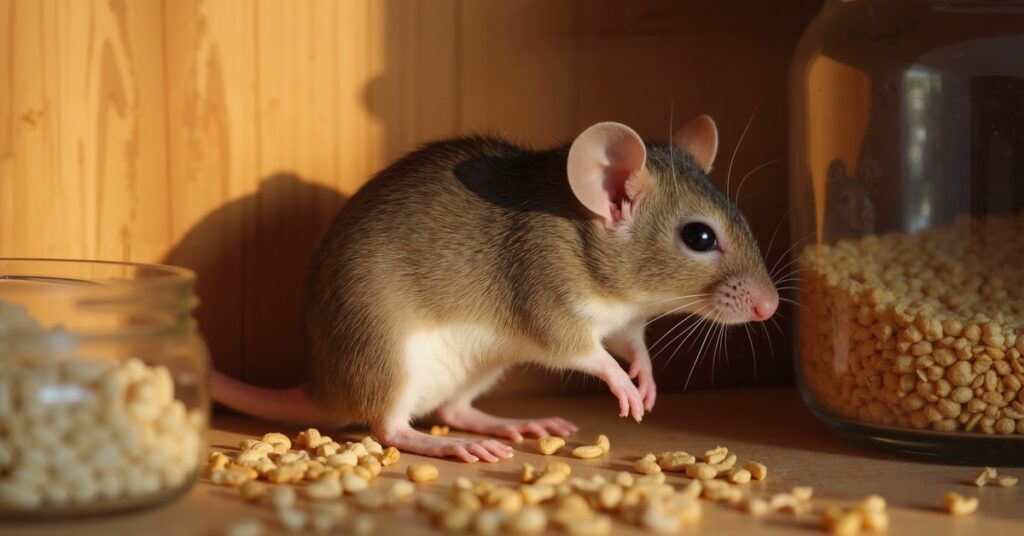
[222,135]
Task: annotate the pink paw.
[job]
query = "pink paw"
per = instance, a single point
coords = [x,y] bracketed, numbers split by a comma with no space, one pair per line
[472,450]
[630,401]
[641,371]
[515,429]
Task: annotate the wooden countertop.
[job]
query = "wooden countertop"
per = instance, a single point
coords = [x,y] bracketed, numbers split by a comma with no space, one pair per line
[770,425]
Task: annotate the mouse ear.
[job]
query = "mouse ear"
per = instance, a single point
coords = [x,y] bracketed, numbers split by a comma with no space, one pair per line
[836,170]
[699,139]
[606,171]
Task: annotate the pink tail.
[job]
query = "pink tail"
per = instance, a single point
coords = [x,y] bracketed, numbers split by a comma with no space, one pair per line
[283,405]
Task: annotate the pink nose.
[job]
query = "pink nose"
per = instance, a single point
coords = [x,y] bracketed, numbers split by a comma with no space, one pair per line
[764,308]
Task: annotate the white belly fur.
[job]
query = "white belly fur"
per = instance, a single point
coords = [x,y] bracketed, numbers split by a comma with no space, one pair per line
[444,362]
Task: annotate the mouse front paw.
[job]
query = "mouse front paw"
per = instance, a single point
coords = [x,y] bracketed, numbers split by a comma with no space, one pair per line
[640,370]
[470,419]
[630,399]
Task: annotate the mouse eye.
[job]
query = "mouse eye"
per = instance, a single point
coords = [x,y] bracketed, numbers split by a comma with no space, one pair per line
[698,237]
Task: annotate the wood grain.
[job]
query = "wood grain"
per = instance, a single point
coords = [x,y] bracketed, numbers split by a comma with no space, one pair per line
[222,135]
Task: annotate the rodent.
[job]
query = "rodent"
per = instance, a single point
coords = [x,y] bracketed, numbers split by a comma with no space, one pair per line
[473,254]
[849,211]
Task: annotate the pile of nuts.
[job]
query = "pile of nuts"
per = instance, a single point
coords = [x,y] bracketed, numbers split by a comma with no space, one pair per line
[919,331]
[578,505]
[548,498]
[80,433]
[329,470]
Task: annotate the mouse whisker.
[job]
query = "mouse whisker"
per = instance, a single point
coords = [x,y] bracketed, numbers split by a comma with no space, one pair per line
[662,315]
[688,332]
[721,348]
[725,342]
[768,337]
[785,253]
[713,351]
[751,172]
[676,298]
[753,353]
[789,277]
[728,173]
[784,267]
[777,325]
[694,329]
[700,353]
[794,302]
[681,322]
[775,233]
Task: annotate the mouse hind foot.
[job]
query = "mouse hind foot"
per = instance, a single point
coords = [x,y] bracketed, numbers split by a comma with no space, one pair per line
[404,438]
[467,418]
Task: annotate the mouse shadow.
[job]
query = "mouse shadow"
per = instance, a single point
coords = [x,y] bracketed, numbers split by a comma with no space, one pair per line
[251,257]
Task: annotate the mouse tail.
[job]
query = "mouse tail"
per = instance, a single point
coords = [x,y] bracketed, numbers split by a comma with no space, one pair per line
[291,405]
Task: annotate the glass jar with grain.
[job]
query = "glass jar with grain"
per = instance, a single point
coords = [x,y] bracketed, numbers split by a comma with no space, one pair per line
[907,199]
[103,386]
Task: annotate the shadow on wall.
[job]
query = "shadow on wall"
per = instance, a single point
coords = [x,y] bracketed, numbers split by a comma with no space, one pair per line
[251,256]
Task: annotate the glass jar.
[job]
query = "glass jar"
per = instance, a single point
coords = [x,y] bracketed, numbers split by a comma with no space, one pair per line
[907,195]
[103,386]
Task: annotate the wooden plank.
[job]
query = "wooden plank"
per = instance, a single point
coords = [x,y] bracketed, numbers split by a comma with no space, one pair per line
[300,87]
[84,164]
[517,69]
[211,110]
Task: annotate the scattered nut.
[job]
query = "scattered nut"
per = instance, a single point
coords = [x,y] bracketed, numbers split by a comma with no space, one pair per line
[646,465]
[983,476]
[324,489]
[282,497]
[701,471]
[528,473]
[758,471]
[246,527]
[549,445]
[959,505]
[802,493]
[1006,481]
[292,520]
[252,490]
[529,521]
[390,456]
[739,476]
[402,490]
[422,472]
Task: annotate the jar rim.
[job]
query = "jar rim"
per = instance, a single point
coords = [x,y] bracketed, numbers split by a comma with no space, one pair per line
[162,275]
[84,300]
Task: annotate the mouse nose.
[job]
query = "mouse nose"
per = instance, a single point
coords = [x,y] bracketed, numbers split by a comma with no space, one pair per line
[764,308]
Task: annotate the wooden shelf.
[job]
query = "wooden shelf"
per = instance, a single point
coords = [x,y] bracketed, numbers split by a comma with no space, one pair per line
[770,425]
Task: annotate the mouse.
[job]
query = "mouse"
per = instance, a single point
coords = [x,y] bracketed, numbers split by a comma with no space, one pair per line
[471,255]
[849,210]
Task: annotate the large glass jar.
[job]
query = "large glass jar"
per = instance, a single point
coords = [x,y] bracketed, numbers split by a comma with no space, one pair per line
[103,386]
[907,199]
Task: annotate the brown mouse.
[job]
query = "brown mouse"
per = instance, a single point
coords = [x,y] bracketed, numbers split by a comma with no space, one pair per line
[849,211]
[473,254]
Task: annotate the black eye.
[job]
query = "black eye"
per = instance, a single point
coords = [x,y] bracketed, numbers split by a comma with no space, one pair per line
[698,237]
